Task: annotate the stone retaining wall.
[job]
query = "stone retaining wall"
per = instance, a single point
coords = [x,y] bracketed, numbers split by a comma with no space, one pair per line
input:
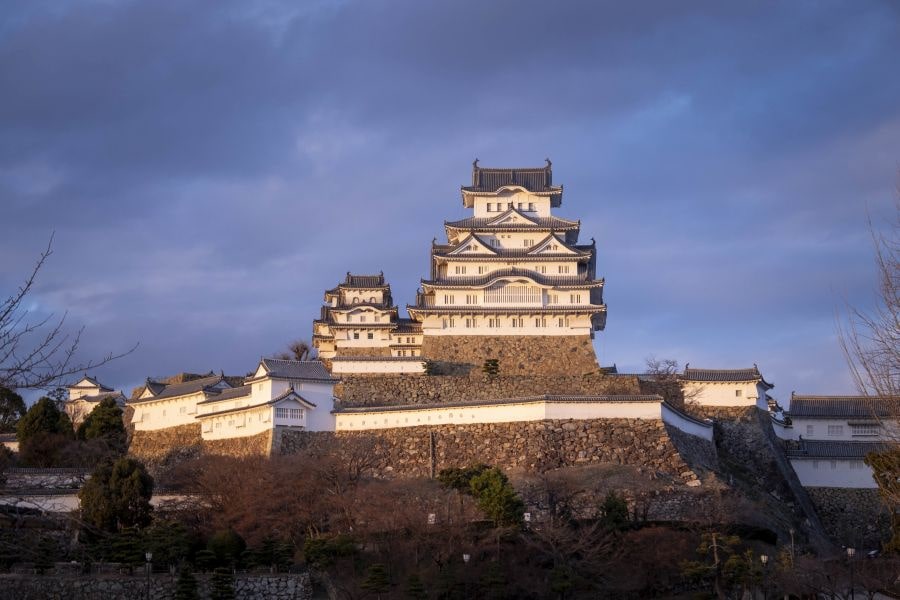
[534,445]
[162,587]
[162,447]
[544,354]
[381,390]
[856,518]
[242,447]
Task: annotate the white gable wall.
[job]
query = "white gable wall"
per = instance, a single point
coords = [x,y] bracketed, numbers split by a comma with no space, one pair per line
[729,393]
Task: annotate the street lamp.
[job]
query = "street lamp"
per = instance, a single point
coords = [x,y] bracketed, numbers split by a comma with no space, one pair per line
[850,553]
[764,559]
[466,559]
[148,556]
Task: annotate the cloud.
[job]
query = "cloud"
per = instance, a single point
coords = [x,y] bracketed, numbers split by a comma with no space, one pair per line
[209,169]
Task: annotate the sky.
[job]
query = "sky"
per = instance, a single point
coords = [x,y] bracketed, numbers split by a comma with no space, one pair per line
[208,169]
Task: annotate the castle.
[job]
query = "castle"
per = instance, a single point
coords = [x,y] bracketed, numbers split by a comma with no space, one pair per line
[512,284]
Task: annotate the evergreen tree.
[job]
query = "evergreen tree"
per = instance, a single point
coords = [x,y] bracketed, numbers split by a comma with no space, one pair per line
[43,417]
[222,585]
[12,409]
[205,560]
[117,495]
[186,586]
[46,555]
[228,546]
[125,547]
[105,423]
[614,511]
[376,580]
[496,496]
[415,589]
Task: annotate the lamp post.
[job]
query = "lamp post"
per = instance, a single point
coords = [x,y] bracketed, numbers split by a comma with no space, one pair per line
[764,559]
[466,559]
[850,553]
[148,556]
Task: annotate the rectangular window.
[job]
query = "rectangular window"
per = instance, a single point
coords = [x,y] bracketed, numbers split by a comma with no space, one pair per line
[574,298]
[460,270]
[480,270]
[452,321]
[471,299]
[529,243]
[362,319]
[563,268]
[509,205]
[541,322]
[489,206]
[531,206]
[468,323]
[810,430]
[371,335]
[835,430]
[562,322]
[356,335]
[865,429]
[218,424]
[182,410]
[521,205]
[738,393]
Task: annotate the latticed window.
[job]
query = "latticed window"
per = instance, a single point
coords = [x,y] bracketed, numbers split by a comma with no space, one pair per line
[288,413]
[835,430]
[865,429]
[513,294]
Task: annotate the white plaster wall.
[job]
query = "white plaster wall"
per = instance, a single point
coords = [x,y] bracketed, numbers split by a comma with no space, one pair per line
[820,430]
[319,418]
[538,410]
[238,424]
[371,366]
[436,325]
[150,415]
[362,295]
[782,432]
[683,423]
[549,268]
[722,393]
[517,197]
[833,473]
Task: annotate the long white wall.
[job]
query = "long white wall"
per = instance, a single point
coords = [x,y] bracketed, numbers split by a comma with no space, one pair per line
[150,415]
[729,393]
[840,473]
[377,366]
[507,412]
[840,429]
[687,424]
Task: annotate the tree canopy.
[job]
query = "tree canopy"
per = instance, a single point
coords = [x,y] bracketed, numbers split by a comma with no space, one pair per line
[105,423]
[12,408]
[116,496]
[43,417]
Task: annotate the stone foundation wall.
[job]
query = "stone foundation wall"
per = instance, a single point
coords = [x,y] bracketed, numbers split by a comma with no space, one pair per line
[167,446]
[535,446]
[856,518]
[162,587]
[380,390]
[549,355]
[242,447]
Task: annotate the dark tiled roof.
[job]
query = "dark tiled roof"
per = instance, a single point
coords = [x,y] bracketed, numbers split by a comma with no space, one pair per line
[533,179]
[836,449]
[843,406]
[275,400]
[187,387]
[93,383]
[294,369]
[580,250]
[363,281]
[99,397]
[520,400]
[540,278]
[490,310]
[542,223]
[723,375]
[408,326]
[378,358]
[229,394]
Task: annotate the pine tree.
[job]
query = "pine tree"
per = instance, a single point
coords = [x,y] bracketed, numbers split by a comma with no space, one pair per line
[117,495]
[186,586]
[376,580]
[105,423]
[415,589]
[222,585]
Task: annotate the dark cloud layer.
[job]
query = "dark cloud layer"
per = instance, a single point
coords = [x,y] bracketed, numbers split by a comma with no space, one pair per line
[210,168]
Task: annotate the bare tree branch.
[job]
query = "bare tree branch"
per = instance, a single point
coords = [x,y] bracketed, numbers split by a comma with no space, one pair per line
[38,354]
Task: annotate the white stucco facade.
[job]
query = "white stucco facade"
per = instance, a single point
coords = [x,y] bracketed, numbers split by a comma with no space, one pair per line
[838,473]
[725,387]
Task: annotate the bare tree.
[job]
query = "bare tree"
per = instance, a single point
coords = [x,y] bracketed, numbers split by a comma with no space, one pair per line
[664,379]
[297,350]
[871,340]
[35,354]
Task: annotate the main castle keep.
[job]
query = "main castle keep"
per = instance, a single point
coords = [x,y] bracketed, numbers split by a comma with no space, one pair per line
[511,283]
